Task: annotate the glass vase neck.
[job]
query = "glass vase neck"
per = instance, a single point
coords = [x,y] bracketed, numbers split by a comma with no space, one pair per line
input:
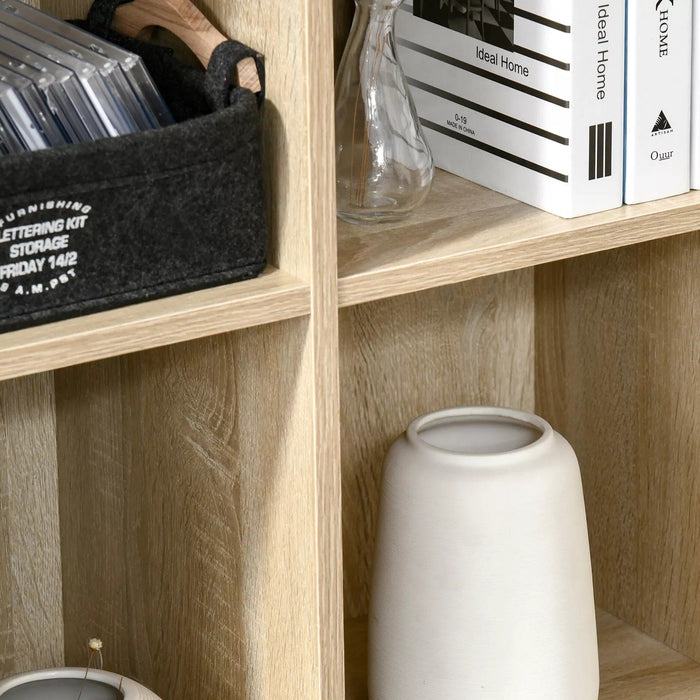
[378,5]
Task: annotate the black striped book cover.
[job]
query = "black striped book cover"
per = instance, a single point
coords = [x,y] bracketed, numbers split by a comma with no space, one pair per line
[523,96]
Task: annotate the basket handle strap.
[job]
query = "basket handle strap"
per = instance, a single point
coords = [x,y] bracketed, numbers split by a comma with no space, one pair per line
[184,20]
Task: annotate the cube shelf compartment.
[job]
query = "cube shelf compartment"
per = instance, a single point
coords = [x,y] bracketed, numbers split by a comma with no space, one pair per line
[195,479]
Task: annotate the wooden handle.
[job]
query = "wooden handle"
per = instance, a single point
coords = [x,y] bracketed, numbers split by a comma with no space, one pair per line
[187,23]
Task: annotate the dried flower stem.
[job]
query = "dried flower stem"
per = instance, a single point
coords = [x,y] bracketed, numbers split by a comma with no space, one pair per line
[95,646]
[89,664]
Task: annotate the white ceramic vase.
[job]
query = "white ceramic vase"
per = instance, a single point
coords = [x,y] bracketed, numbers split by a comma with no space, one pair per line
[61,684]
[482,582]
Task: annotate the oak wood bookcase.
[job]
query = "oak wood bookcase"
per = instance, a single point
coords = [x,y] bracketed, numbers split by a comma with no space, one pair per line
[172,472]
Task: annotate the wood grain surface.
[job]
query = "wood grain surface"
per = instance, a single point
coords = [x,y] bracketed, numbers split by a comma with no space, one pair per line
[633,666]
[188,511]
[296,38]
[282,34]
[459,345]
[618,374]
[31,614]
[325,406]
[66,9]
[271,297]
[465,231]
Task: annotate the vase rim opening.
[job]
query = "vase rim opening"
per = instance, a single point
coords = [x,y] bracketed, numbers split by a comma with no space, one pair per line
[126,686]
[489,433]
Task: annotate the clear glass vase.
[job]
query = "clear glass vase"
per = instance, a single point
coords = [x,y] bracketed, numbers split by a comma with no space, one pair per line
[383,163]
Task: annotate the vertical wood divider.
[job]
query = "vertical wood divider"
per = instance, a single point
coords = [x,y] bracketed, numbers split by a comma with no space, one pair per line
[31,614]
[297,40]
[324,323]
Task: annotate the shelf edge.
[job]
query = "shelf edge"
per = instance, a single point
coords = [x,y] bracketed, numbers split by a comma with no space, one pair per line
[273,296]
[416,276]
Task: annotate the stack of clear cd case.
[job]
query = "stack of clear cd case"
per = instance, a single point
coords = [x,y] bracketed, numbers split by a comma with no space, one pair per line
[60,84]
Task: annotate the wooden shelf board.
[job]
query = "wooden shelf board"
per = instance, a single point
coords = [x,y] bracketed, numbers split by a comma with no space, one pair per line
[633,666]
[273,296]
[465,231]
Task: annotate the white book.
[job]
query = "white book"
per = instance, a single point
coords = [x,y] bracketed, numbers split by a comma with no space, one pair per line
[657,111]
[523,96]
[695,102]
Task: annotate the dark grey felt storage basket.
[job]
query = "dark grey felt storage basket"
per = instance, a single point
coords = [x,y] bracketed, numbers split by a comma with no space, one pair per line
[89,227]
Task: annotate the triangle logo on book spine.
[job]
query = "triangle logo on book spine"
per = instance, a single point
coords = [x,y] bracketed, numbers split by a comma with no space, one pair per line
[662,124]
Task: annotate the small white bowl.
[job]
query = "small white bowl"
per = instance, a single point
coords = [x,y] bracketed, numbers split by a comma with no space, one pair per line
[131,689]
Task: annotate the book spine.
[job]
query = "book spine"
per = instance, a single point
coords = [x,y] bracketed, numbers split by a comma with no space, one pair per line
[695,102]
[597,109]
[657,110]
